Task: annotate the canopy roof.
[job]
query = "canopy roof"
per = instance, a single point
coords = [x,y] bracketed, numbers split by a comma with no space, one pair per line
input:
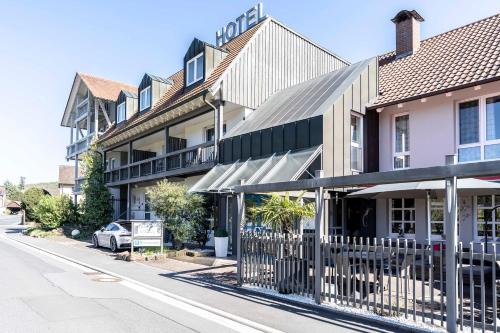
[276,168]
[419,189]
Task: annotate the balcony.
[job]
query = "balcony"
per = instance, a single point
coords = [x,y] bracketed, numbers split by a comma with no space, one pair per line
[188,160]
[78,147]
[78,185]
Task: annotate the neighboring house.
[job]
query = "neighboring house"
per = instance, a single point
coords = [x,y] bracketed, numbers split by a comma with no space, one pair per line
[90,111]
[3,197]
[66,180]
[438,96]
[174,126]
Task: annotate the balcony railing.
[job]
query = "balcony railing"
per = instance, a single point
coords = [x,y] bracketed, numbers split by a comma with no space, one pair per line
[180,159]
[78,185]
[78,147]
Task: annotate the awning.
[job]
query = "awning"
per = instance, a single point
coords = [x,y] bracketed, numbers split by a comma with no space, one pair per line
[276,168]
[470,186]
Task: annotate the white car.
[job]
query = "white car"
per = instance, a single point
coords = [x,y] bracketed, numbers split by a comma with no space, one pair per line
[116,235]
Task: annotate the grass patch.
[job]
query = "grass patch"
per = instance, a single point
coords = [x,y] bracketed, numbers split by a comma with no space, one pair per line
[41,233]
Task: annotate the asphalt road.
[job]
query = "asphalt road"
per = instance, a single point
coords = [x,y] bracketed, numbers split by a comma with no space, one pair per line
[43,293]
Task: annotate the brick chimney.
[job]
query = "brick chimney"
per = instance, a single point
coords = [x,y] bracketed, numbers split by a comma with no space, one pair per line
[407,32]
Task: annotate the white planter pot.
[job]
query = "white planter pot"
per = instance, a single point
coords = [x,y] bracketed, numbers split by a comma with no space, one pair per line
[221,246]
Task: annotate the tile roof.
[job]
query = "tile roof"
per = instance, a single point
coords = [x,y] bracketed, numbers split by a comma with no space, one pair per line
[455,59]
[104,88]
[177,93]
[66,175]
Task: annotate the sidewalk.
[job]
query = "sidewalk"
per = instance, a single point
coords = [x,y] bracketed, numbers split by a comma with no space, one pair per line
[275,313]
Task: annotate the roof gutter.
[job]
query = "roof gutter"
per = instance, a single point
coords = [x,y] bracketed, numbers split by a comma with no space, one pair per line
[434,93]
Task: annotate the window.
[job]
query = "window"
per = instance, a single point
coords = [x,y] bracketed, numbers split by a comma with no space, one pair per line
[195,69]
[401,141]
[402,217]
[356,143]
[487,219]
[145,98]
[113,163]
[210,133]
[120,113]
[437,218]
[479,129]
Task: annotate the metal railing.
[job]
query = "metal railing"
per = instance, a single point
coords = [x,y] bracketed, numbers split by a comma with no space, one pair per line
[185,158]
[389,277]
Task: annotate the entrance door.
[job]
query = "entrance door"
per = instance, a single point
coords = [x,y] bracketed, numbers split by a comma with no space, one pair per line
[147,207]
[360,218]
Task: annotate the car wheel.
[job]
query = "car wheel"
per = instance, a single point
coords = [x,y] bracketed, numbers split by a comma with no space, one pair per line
[114,247]
[95,241]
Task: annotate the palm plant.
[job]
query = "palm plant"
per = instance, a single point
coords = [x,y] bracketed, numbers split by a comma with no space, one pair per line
[280,212]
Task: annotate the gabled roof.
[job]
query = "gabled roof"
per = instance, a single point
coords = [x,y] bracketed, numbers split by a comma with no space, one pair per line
[128,94]
[104,88]
[159,79]
[456,59]
[304,100]
[66,175]
[177,93]
[99,87]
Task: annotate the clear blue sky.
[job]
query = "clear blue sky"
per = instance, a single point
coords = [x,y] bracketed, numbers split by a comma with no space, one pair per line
[43,44]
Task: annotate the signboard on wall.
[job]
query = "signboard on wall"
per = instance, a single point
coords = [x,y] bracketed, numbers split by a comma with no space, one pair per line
[241,24]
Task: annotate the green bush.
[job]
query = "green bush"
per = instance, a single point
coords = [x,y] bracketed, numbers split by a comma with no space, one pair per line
[220,232]
[30,200]
[181,210]
[52,212]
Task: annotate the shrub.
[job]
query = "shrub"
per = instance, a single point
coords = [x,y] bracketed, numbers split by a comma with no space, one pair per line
[53,212]
[96,206]
[220,232]
[182,211]
[30,200]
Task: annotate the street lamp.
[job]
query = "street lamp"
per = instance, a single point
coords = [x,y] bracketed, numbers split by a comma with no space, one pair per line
[486,226]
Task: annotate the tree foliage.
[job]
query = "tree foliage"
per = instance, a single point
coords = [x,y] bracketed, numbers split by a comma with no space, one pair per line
[183,212]
[52,212]
[13,191]
[96,206]
[30,200]
[281,212]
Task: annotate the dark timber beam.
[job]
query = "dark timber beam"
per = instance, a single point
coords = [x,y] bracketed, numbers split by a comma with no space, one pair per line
[490,168]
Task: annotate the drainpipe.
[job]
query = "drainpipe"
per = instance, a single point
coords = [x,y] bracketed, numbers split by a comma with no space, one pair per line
[218,120]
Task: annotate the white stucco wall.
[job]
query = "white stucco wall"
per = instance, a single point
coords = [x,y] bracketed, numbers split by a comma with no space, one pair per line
[432,127]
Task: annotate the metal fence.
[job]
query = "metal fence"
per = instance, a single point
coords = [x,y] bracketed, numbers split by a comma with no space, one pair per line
[389,277]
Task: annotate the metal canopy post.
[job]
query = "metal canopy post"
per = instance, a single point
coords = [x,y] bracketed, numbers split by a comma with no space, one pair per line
[428,213]
[241,216]
[318,236]
[451,249]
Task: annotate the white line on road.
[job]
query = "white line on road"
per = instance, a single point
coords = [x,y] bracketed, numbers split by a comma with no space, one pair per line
[229,320]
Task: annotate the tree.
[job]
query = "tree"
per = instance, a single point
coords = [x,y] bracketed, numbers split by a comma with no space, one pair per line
[96,206]
[22,183]
[13,192]
[52,212]
[280,212]
[30,200]
[182,211]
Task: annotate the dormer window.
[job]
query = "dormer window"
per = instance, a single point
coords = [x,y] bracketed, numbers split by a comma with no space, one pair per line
[145,98]
[120,112]
[194,68]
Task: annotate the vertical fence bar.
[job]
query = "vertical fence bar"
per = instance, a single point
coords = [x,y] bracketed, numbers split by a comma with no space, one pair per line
[461,285]
[382,275]
[431,282]
[398,277]
[414,279]
[482,289]
[422,276]
[494,282]
[441,291]
[406,276]
[375,275]
[471,283]
[390,277]
[318,235]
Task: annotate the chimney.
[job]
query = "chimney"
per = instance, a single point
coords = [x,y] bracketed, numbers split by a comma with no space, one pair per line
[407,32]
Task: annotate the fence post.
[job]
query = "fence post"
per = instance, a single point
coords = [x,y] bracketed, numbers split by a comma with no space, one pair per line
[318,236]
[241,217]
[451,249]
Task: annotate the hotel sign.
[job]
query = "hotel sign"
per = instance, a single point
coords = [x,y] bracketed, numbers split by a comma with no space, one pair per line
[241,24]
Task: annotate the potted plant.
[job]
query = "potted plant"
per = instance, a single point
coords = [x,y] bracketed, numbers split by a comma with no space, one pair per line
[221,243]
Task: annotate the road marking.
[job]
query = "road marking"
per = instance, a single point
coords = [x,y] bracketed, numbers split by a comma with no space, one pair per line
[221,317]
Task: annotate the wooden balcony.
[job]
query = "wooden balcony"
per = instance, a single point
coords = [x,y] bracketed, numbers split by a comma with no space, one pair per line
[189,160]
[78,147]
